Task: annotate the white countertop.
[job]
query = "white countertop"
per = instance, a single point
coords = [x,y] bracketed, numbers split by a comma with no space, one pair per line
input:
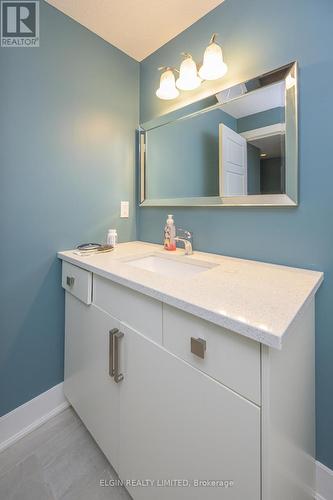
[254,299]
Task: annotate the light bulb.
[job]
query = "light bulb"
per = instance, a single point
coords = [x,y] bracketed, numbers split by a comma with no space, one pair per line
[167,89]
[188,75]
[213,66]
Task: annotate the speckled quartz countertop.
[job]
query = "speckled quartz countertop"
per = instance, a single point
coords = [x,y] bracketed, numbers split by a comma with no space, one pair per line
[254,299]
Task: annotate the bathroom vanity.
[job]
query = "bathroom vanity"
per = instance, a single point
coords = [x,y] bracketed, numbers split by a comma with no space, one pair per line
[194,368]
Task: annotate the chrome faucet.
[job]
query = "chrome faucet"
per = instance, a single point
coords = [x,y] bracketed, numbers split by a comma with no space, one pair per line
[186,238]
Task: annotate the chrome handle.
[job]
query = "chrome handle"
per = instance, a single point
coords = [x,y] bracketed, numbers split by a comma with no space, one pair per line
[183,233]
[114,336]
[198,347]
[70,281]
[118,377]
[112,333]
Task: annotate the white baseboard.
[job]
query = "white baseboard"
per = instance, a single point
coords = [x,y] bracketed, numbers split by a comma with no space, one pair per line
[24,419]
[324,482]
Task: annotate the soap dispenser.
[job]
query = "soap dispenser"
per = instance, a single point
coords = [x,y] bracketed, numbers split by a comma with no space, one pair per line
[170,234]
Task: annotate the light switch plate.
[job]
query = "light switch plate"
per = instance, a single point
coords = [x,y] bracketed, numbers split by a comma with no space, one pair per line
[124,209]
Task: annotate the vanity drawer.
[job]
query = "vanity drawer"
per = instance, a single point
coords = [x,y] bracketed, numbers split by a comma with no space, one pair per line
[77,281]
[229,357]
[138,311]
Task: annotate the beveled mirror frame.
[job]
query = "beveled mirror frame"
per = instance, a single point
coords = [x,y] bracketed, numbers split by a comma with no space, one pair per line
[290,198]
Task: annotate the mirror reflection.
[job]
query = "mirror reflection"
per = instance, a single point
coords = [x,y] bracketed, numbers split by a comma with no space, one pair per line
[243,143]
[251,146]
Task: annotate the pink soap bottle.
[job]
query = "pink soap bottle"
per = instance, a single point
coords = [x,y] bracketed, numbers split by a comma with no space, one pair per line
[169,234]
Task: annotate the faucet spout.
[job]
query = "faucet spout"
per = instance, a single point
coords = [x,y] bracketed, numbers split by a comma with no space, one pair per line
[187,245]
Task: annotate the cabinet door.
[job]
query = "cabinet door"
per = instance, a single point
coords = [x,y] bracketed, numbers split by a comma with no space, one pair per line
[88,385]
[178,423]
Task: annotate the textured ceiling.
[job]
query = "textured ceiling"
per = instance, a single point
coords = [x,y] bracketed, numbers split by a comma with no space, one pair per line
[137,27]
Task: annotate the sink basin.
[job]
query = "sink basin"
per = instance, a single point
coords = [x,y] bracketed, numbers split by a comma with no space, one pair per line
[168,266]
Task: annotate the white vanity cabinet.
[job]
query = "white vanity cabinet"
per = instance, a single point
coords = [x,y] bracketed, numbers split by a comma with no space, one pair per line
[193,401]
[167,419]
[178,423]
[87,384]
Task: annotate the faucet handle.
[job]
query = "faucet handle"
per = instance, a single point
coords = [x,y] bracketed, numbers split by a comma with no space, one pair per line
[184,234]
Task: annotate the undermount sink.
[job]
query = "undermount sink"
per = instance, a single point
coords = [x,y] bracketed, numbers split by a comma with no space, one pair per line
[173,265]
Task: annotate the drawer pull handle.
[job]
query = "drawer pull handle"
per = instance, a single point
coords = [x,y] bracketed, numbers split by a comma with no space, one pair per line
[198,347]
[70,281]
[114,336]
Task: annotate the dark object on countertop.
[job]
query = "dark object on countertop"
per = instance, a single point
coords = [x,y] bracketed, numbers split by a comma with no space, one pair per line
[92,248]
[88,247]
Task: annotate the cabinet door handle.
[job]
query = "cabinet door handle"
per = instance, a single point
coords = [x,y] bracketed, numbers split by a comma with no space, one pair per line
[118,377]
[198,347]
[70,281]
[112,333]
[114,336]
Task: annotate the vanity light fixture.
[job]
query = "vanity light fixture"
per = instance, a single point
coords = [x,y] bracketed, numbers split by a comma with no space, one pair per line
[263,155]
[188,74]
[167,89]
[213,66]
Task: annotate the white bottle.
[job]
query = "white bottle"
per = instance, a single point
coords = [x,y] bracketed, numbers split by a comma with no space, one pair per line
[169,234]
[112,237]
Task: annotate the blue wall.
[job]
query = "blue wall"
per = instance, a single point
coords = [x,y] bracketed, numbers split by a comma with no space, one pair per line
[261,119]
[69,110]
[253,169]
[258,36]
[191,166]
[271,176]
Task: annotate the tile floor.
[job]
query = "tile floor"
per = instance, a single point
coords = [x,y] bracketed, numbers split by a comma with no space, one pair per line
[57,461]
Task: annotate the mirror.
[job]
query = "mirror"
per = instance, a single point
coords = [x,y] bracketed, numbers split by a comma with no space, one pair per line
[237,147]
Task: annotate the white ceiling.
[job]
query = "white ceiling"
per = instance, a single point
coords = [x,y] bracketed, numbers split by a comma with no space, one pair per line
[271,145]
[137,27]
[262,99]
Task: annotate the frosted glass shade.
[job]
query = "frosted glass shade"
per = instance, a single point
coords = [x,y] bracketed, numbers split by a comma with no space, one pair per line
[188,75]
[213,66]
[167,89]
